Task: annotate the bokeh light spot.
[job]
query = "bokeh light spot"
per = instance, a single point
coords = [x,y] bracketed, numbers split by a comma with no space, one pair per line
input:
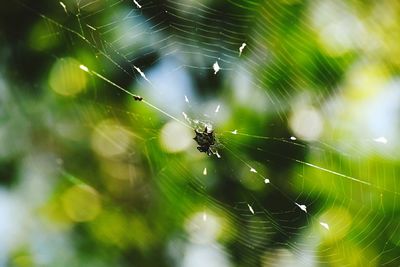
[306,123]
[66,78]
[41,37]
[81,203]
[110,139]
[175,137]
[339,221]
[203,228]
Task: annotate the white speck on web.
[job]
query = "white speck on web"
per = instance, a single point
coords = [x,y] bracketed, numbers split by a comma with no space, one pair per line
[253,170]
[205,171]
[64,7]
[184,115]
[186,99]
[241,49]
[302,207]
[381,139]
[216,67]
[293,138]
[234,132]
[137,4]
[266,181]
[217,109]
[218,155]
[325,225]
[250,208]
[141,73]
[91,27]
[84,68]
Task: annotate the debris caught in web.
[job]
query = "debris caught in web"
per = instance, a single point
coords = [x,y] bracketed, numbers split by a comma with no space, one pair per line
[302,207]
[137,4]
[216,67]
[64,7]
[241,48]
[325,225]
[250,208]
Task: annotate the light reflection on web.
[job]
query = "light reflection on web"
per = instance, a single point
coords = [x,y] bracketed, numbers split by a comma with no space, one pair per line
[329,193]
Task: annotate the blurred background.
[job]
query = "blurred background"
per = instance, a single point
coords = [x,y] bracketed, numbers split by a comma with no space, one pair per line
[303,98]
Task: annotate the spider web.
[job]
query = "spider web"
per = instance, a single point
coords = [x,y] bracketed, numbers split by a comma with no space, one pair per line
[279,82]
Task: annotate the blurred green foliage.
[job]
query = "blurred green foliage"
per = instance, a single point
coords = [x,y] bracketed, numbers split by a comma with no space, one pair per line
[308,133]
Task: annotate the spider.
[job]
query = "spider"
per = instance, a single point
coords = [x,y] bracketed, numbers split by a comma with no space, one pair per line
[206,141]
[137,98]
